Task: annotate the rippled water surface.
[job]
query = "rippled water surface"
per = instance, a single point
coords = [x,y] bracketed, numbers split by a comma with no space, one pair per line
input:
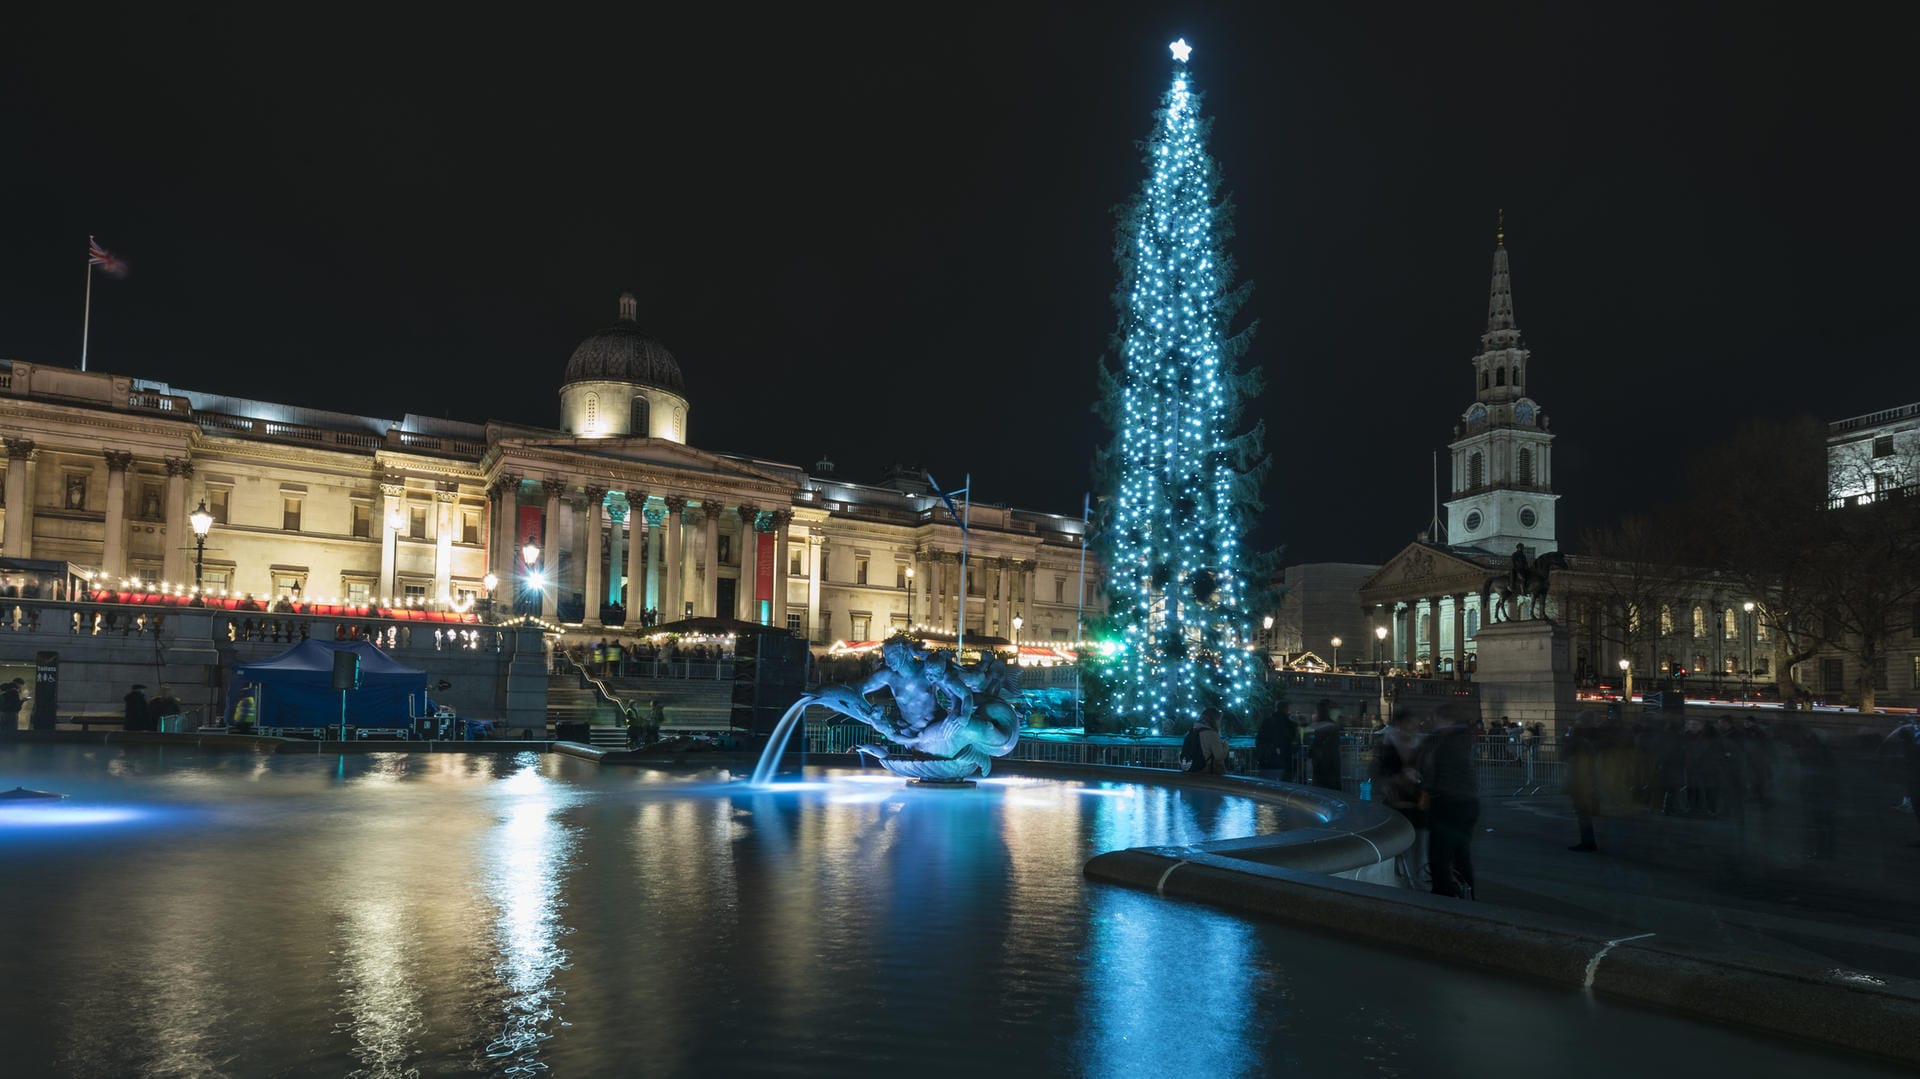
[391,915]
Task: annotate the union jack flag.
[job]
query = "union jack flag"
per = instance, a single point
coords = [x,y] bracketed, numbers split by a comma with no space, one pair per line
[101,257]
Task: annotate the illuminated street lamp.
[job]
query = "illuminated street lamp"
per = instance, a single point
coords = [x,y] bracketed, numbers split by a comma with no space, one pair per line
[1380,648]
[530,557]
[1746,684]
[1626,681]
[488,583]
[202,523]
[1017,623]
[909,599]
[1336,653]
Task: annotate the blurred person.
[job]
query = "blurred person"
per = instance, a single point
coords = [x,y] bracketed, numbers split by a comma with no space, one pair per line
[1759,755]
[1704,767]
[137,710]
[1582,751]
[1819,788]
[1397,783]
[1670,767]
[1273,745]
[1323,747]
[1453,806]
[1202,750]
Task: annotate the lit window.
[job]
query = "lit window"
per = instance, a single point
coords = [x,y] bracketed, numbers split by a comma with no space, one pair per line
[1731,626]
[1666,620]
[1699,625]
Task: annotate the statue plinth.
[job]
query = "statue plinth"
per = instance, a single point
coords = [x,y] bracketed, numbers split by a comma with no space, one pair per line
[1524,671]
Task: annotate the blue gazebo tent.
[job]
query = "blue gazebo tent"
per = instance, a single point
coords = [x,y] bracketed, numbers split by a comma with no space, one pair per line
[296,687]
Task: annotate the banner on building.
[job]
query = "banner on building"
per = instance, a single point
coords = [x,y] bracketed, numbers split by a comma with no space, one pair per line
[763,569]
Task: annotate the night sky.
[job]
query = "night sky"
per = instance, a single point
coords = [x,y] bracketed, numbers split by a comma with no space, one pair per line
[888,236]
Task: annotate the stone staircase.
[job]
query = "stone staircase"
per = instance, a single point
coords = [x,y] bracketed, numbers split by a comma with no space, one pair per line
[687,702]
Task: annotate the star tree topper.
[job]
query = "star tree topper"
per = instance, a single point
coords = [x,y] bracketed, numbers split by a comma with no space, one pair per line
[1181,50]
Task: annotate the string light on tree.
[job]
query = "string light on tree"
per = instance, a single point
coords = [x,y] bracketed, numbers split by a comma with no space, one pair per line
[1182,486]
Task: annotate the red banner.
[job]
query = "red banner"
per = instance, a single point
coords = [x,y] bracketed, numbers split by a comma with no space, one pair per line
[530,517]
[762,572]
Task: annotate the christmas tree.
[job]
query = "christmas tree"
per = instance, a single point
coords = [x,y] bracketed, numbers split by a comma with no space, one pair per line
[1180,487]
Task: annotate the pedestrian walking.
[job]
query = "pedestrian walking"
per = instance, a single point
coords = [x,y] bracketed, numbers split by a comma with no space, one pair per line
[1453,808]
[1582,752]
[1273,746]
[1323,747]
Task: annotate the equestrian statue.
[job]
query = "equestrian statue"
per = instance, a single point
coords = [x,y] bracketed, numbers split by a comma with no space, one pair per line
[1500,596]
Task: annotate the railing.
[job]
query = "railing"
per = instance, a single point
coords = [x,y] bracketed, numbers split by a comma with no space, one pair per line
[1874,419]
[380,632]
[148,401]
[721,671]
[1867,498]
[442,445]
[79,619]
[249,427]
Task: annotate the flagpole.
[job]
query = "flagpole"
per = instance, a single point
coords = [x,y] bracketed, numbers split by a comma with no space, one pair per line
[966,532]
[86,319]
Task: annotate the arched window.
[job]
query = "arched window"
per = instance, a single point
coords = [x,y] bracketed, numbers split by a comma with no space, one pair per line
[1476,470]
[637,416]
[1523,466]
[1699,662]
[593,413]
[1473,623]
[1500,377]
[678,431]
[1666,620]
[1633,618]
[1516,374]
[1732,625]
[1759,629]
[1699,627]
[1485,379]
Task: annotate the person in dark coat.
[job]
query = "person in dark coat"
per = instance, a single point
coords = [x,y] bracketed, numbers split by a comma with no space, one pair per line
[1453,808]
[1273,745]
[13,697]
[1323,747]
[166,704]
[1582,750]
[137,713]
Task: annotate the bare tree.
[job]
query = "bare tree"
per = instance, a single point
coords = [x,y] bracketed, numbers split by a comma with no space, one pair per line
[1756,512]
[1867,570]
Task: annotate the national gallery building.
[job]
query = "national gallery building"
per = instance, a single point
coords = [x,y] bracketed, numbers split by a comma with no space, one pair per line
[610,521]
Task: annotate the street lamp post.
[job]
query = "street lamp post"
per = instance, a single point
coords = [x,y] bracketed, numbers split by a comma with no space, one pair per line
[1626,682]
[490,582]
[530,557]
[1380,648]
[1266,632]
[202,523]
[1746,683]
[1336,653]
[909,599]
[1017,623]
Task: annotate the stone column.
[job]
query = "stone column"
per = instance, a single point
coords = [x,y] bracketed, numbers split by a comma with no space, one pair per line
[1029,580]
[19,495]
[443,497]
[1003,596]
[710,584]
[748,550]
[673,606]
[549,557]
[590,597]
[781,519]
[816,556]
[505,556]
[1459,636]
[636,598]
[113,558]
[616,547]
[390,513]
[174,565]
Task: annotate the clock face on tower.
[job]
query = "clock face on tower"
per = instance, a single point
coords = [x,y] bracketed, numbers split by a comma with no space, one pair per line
[1477,418]
[1523,413]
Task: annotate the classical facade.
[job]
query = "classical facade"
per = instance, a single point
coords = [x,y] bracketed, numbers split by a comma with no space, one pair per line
[1873,459]
[612,517]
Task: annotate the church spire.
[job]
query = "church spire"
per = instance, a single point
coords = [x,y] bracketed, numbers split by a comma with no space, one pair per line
[1501,331]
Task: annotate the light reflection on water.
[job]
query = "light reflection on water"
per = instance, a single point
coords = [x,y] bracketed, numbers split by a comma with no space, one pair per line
[400,915]
[529,858]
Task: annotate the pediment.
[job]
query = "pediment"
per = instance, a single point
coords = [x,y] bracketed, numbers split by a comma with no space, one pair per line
[652,460]
[1424,569]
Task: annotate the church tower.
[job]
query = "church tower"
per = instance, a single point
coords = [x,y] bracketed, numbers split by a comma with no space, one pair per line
[1502,450]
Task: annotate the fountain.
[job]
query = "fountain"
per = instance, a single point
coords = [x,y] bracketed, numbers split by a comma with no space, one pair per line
[946,725]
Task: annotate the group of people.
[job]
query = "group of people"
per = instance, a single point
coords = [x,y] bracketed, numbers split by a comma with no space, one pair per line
[144,714]
[1424,769]
[1300,750]
[611,656]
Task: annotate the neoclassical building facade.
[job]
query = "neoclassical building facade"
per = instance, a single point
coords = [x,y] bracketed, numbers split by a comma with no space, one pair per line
[609,518]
